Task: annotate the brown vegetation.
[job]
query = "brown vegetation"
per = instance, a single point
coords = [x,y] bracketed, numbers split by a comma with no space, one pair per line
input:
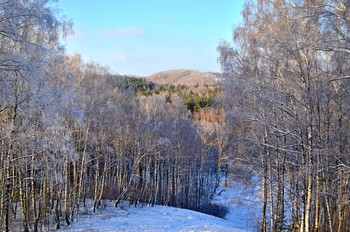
[184,77]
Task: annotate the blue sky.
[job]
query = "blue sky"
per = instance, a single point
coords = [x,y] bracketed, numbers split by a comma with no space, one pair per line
[141,37]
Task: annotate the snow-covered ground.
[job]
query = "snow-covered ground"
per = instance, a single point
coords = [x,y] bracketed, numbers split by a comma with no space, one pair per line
[152,219]
[242,202]
[244,205]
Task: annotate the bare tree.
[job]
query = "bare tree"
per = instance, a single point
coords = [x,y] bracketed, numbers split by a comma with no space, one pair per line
[284,69]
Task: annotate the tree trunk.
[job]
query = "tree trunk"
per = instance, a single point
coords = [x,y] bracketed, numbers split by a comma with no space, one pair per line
[66,178]
[263,193]
[24,208]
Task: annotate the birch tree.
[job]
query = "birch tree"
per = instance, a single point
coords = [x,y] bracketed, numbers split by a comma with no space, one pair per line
[283,65]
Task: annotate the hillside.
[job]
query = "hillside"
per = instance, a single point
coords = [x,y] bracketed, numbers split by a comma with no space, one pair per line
[184,77]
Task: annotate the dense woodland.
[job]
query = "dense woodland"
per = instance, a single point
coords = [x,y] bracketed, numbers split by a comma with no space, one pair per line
[72,132]
[288,90]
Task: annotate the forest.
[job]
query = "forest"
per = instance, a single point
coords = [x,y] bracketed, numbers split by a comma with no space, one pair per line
[72,132]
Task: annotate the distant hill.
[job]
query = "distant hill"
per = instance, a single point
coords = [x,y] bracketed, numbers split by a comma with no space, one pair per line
[184,77]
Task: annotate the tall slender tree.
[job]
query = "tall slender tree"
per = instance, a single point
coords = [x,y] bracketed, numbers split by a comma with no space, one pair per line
[283,69]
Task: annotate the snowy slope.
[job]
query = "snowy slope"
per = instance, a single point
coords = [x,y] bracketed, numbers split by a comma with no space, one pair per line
[244,205]
[152,219]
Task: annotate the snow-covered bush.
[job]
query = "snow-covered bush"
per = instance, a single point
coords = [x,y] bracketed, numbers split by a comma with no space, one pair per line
[215,209]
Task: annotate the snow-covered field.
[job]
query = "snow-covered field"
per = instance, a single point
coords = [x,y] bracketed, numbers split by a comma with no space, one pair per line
[152,219]
[241,201]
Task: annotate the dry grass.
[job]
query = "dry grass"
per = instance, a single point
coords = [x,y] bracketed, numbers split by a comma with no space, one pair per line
[184,77]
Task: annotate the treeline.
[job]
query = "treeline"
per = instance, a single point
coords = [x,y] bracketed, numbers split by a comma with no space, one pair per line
[71,132]
[288,73]
[194,98]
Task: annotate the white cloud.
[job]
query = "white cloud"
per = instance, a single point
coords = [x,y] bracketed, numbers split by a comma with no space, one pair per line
[123,32]
[153,58]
